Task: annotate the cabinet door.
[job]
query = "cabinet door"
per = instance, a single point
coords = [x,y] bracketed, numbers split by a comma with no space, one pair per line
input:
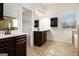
[21,48]
[6,46]
[38,38]
[45,36]
[7,50]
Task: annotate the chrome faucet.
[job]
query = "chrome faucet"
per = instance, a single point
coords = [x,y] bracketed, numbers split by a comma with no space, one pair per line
[7,31]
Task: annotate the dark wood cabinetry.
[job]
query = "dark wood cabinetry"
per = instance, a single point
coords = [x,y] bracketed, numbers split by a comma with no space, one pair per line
[21,45]
[39,38]
[13,46]
[6,46]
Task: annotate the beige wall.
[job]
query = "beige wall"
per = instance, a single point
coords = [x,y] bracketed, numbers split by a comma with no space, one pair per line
[14,10]
[33,7]
[57,10]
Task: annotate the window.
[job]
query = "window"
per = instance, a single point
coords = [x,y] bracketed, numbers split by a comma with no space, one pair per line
[68,20]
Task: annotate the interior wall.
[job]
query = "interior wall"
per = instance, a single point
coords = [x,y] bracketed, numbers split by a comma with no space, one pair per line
[60,34]
[33,7]
[27,24]
[55,10]
[14,10]
[26,21]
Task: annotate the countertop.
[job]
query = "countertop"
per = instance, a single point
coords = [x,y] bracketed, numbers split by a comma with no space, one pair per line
[10,35]
[41,30]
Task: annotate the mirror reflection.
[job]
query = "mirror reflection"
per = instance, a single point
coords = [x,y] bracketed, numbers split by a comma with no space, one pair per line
[8,22]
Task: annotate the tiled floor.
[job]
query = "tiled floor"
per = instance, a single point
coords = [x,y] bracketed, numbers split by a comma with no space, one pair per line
[53,48]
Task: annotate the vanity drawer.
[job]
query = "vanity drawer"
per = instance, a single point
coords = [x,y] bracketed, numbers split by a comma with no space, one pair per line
[21,36]
[7,50]
[21,39]
[21,42]
[6,40]
[4,44]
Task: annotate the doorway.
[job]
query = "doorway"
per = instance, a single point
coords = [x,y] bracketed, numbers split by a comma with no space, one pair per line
[27,24]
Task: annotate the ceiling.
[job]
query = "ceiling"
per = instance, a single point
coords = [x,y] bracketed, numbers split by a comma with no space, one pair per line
[52,9]
[33,6]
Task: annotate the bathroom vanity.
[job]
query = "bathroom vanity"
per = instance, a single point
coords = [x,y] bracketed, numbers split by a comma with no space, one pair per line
[40,37]
[13,44]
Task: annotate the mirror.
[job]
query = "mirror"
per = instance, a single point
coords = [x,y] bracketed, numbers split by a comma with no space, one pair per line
[8,22]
